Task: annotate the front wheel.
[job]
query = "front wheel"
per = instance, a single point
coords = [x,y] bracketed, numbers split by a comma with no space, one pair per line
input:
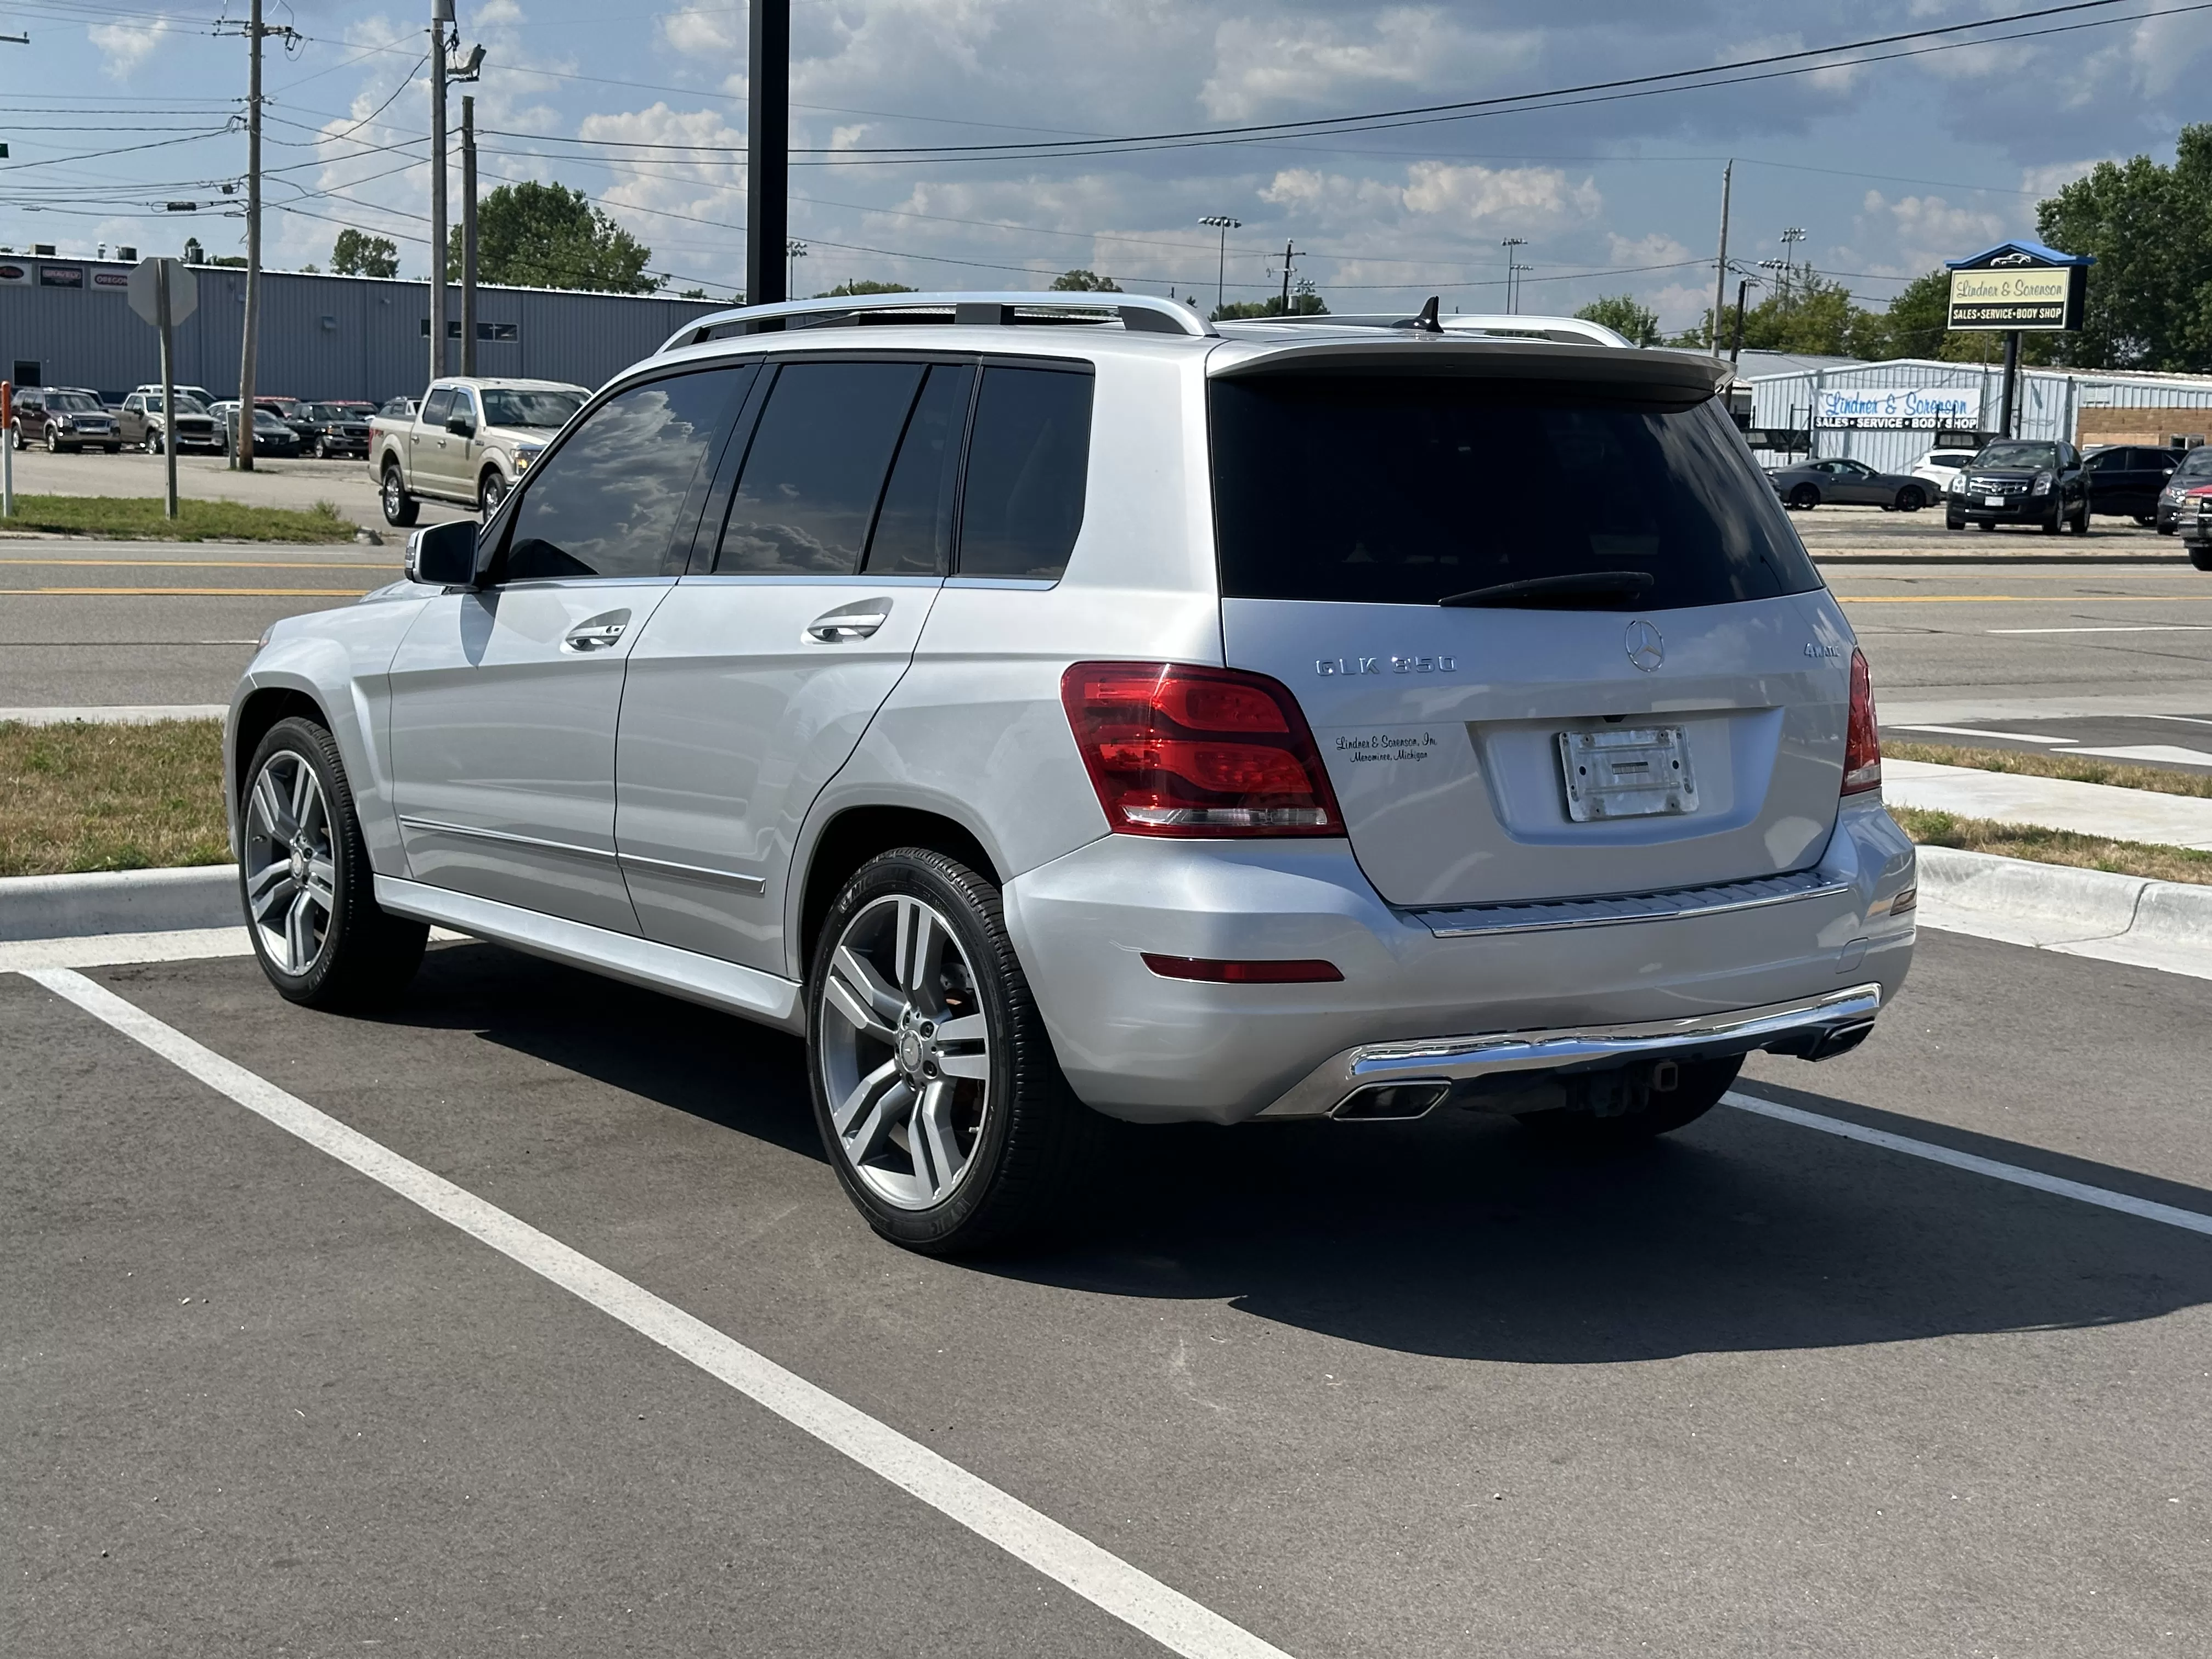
[153,443]
[305,880]
[491,491]
[1696,1089]
[2056,522]
[400,509]
[2081,520]
[53,444]
[1952,521]
[935,1088]
[1804,498]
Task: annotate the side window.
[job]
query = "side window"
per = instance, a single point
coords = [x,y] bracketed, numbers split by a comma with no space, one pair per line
[1027,461]
[609,498]
[914,528]
[811,482]
[464,405]
[438,405]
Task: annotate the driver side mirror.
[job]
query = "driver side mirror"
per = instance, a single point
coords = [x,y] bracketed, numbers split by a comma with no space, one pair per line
[443,554]
[461,426]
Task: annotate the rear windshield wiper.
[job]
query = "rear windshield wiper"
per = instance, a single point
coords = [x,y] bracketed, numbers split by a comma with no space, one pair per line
[1560,592]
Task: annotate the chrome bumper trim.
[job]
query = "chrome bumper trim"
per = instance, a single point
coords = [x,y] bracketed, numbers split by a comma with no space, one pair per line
[1807,1021]
[1543,915]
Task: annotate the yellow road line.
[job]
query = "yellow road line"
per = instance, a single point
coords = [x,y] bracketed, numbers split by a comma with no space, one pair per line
[2020,598]
[203,592]
[209,564]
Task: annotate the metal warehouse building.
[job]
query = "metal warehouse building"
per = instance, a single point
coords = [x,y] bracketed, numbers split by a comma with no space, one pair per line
[66,322]
[1858,410]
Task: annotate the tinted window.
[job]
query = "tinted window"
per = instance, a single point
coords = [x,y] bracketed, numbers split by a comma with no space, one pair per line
[1949,458]
[2195,464]
[606,502]
[811,482]
[914,528]
[1397,490]
[504,407]
[2018,455]
[1027,459]
[437,406]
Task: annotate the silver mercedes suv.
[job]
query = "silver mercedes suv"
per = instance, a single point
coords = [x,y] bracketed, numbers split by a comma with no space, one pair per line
[1048,707]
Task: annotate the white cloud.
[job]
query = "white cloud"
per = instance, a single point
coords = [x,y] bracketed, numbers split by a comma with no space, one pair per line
[1926,230]
[2050,180]
[1269,63]
[126,46]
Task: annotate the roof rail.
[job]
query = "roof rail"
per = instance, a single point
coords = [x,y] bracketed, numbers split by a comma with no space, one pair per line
[1140,313]
[1569,331]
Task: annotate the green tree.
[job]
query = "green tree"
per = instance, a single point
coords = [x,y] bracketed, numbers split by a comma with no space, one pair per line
[2150,229]
[355,254]
[1084,281]
[534,235]
[1305,301]
[1620,314]
[864,285]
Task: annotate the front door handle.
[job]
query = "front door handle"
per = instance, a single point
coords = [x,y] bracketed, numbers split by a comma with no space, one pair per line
[596,633]
[856,621]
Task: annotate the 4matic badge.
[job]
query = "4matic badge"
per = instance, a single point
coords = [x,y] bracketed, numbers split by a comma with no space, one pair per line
[1393,665]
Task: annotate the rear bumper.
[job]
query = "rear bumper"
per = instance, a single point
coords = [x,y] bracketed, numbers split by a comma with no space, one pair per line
[1572,996]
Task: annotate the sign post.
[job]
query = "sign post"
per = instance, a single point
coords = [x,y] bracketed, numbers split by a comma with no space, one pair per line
[8,448]
[2016,287]
[164,292]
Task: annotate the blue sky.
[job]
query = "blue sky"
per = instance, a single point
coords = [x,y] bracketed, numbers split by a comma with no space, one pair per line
[115,108]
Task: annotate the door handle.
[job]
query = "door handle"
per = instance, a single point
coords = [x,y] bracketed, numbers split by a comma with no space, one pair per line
[849,622]
[596,633]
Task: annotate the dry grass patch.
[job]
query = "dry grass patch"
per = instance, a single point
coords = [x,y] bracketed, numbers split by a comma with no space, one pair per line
[2076,769]
[2022,841]
[76,797]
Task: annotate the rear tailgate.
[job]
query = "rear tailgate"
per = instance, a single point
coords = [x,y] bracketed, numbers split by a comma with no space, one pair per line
[1686,734]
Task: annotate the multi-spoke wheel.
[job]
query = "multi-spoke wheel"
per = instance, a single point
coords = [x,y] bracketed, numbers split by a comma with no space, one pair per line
[933,1080]
[304,877]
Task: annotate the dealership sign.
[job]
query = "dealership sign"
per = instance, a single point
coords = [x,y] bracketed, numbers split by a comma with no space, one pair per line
[2019,285]
[1898,408]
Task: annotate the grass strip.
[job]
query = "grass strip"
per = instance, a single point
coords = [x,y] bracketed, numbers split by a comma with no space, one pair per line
[133,518]
[86,796]
[2074,769]
[2023,840]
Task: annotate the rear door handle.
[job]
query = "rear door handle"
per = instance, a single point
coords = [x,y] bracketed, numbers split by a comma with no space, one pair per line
[596,633]
[856,621]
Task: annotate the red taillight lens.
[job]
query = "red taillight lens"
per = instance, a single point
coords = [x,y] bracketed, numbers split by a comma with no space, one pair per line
[1863,740]
[1179,750]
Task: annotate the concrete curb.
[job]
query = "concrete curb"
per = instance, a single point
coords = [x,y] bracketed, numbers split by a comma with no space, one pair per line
[2160,923]
[119,902]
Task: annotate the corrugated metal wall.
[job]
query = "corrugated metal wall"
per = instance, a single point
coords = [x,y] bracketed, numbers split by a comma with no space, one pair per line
[321,337]
[2050,402]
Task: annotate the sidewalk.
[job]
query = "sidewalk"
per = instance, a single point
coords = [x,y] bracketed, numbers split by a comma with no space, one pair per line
[2087,809]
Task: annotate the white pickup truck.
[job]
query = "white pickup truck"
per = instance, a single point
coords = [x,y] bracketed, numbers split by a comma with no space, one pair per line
[469,440]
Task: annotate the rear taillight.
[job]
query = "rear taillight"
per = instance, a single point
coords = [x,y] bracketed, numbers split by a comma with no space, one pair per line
[1179,750]
[1862,741]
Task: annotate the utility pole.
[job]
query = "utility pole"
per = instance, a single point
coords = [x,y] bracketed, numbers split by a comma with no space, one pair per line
[468,235]
[442,13]
[767,150]
[1720,264]
[1512,267]
[1223,223]
[1289,254]
[241,451]
[1735,351]
[2011,383]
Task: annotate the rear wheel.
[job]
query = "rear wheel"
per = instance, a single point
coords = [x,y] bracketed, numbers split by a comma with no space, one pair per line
[400,509]
[305,880]
[1698,1088]
[935,1087]
[1804,498]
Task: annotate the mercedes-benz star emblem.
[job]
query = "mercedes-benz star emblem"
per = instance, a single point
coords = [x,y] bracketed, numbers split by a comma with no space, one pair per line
[1645,648]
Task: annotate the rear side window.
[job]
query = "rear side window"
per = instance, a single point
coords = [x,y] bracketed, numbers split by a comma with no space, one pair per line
[815,470]
[914,529]
[608,500]
[1403,491]
[1027,460]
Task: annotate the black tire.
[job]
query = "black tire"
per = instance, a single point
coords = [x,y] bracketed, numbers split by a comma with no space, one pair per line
[153,441]
[2145,519]
[322,449]
[1032,1137]
[491,491]
[1988,524]
[1804,498]
[366,957]
[1698,1087]
[2080,526]
[1910,499]
[53,443]
[1952,521]
[2201,556]
[112,449]
[2056,522]
[400,509]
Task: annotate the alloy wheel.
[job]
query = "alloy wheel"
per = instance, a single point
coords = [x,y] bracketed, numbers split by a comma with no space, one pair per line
[905,1052]
[291,876]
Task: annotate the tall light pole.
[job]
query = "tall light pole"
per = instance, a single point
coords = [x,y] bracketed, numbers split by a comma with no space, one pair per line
[1512,265]
[1224,225]
[1790,238]
[793,252]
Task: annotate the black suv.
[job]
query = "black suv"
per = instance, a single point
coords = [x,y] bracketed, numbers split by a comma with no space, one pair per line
[2125,479]
[2020,481]
[329,429]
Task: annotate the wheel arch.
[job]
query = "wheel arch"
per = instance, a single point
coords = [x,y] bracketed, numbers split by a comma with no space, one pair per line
[855,834]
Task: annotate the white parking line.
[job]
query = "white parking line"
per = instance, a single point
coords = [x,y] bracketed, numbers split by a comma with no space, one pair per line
[2117,627]
[2103,1197]
[1101,1578]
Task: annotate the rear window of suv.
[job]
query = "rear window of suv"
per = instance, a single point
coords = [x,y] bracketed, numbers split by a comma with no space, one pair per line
[1402,491]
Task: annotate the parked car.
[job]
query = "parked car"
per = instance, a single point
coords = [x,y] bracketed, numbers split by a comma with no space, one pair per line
[2194,521]
[198,394]
[2196,469]
[1846,482]
[271,436]
[71,422]
[399,409]
[2020,481]
[27,415]
[468,444]
[139,422]
[2125,480]
[1939,466]
[332,429]
[1113,717]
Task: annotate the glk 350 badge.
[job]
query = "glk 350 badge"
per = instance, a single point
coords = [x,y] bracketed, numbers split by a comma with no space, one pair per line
[1390,665]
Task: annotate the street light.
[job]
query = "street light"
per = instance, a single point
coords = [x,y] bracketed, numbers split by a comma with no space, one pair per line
[793,252]
[1790,238]
[1512,266]
[1217,222]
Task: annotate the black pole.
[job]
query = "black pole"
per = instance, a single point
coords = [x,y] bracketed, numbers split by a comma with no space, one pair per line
[1736,351]
[767,150]
[468,235]
[2011,382]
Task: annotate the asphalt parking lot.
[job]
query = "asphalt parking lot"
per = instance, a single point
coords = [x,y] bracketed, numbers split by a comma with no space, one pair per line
[1353,1388]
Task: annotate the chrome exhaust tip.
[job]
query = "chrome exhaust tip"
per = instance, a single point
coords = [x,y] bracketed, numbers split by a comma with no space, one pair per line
[1394,1102]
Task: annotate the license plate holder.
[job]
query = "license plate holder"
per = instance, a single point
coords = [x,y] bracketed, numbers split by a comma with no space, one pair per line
[1993,500]
[1626,772]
